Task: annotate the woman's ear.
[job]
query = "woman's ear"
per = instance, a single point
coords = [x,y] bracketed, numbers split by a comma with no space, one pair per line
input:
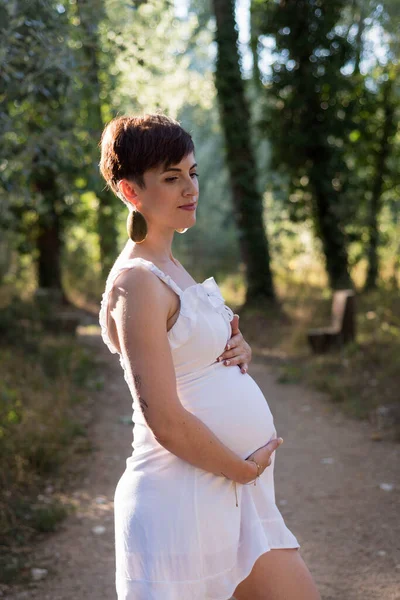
[127,191]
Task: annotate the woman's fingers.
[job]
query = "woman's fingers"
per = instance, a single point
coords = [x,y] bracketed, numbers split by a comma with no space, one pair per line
[236,360]
[273,444]
[271,447]
[229,349]
[234,355]
[237,352]
[263,454]
[235,324]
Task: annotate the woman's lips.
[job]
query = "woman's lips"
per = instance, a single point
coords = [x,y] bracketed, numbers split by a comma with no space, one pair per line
[188,206]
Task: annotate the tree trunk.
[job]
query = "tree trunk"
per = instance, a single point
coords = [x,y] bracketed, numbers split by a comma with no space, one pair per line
[333,240]
[49,237]
[381,156]
[49,247]
[326,217]
[90,13]
[235,120]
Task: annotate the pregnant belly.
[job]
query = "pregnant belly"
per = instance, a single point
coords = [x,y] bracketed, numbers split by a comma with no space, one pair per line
[232,405]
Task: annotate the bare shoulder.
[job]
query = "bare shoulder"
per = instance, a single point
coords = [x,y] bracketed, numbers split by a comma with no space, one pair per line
[141,287]
[139,305]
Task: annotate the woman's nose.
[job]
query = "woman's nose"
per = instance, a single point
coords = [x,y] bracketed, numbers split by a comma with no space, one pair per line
[192,188]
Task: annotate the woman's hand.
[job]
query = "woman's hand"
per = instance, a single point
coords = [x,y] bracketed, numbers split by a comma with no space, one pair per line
[263,456]
[237,351]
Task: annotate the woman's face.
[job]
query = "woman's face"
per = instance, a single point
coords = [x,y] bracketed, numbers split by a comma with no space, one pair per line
[165,192]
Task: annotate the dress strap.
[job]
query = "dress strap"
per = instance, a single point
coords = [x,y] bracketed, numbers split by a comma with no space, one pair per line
[152,267]
[116,270]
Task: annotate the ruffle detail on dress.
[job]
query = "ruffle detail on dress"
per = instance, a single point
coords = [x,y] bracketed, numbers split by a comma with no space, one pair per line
[216,299]
[207,292]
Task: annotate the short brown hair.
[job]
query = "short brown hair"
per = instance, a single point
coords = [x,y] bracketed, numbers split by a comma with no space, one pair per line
[132,145]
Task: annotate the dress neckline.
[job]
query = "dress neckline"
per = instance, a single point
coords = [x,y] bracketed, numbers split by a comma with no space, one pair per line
[207,291]
[167,277]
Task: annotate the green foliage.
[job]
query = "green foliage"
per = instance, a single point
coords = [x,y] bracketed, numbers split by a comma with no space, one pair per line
[35,116]
[112,62]
[290,374]
[46,518]
[332,122]
[372,153]
[68,68]
[308,90]
[305,116]
[41,378]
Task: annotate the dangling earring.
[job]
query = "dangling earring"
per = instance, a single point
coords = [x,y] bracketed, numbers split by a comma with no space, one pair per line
[136,226]
[182,230]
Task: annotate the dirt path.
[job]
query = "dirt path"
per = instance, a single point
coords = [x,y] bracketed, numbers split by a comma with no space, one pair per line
[328,476]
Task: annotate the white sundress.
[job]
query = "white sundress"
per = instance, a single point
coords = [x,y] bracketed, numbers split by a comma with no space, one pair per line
[183,533]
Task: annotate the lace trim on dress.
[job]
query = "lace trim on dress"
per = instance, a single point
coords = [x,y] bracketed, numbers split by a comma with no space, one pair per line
[207,292]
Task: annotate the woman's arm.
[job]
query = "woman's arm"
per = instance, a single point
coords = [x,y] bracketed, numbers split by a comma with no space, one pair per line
[140,304]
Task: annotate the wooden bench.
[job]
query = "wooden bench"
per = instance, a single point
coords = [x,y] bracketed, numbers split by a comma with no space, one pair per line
[342,327]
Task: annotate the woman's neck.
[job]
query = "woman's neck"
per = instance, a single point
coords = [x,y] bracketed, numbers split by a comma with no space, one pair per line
[160,253]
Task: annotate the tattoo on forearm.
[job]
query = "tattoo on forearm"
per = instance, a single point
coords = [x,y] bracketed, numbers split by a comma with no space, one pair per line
[137,381]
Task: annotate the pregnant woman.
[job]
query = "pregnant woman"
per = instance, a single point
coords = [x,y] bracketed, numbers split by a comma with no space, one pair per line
[195,512]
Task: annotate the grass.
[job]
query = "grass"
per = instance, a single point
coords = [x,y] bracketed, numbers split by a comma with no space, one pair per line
[366,373]
[44,383]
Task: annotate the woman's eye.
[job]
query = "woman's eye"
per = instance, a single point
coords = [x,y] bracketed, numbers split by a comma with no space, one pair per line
[171,179]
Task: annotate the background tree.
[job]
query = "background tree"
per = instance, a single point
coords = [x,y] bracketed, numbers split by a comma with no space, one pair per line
[305,116]
[240,157]
[380,168]
[36,122]
[69,68]
[94,94]
[371,149]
